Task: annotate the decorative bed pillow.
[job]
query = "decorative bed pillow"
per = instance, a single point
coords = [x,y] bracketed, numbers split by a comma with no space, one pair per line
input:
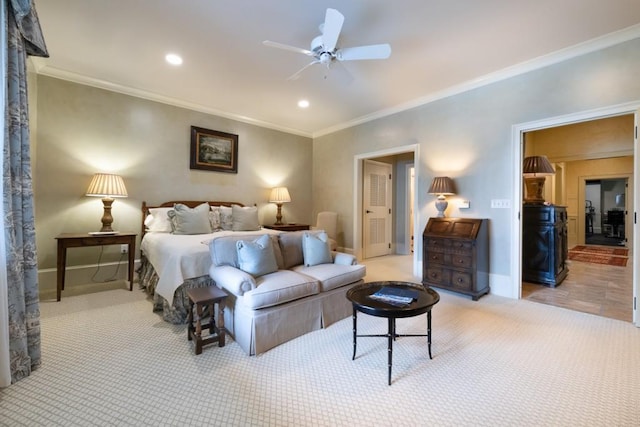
[158,220]
[245,218]
[214,218]
[315,249]
[226,221]
[190,221]
[256,257]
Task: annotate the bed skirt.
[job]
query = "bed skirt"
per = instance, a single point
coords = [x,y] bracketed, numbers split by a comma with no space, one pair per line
[177,311]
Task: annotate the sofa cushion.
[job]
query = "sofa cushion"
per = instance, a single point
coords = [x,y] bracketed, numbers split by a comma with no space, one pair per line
[333,276]
[256,257]
[185,220]
[315,249]
[223,250]
[280,287]
[291,248]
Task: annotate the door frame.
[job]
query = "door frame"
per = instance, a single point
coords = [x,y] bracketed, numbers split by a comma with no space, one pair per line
[358,180]
[517,133]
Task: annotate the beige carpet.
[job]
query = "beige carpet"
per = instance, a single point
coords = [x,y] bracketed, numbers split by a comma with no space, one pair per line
[108,360]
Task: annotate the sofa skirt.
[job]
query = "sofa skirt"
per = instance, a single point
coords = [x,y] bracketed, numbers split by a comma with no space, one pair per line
[257,331]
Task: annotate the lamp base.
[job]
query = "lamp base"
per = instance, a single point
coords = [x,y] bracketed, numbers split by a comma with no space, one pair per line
[535,187]
[278,215]
[107,219]
[441,206]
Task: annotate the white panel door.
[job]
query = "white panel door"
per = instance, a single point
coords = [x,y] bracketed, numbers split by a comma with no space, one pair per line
[377,209]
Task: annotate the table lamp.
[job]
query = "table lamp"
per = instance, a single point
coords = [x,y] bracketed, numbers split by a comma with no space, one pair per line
[107,186]
[535,171]
[279,195]
[442,186]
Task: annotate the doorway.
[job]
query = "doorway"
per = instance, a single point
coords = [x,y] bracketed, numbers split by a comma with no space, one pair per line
[605,212]
[578,168]
[401,157]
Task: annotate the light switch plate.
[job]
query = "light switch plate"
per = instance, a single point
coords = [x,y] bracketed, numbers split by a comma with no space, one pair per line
[464,204]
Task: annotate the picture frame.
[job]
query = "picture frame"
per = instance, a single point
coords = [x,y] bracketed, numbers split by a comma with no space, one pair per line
[213,150]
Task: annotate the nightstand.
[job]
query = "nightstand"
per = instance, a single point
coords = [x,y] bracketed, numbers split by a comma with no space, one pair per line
[288,227]
[66,240]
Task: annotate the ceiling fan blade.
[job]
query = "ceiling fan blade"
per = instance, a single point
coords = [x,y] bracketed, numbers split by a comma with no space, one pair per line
[374,51]
[287,47]
[331,30]
[297,74]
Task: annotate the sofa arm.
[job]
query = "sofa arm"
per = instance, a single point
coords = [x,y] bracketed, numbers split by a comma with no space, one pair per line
[232,279]
[344,259]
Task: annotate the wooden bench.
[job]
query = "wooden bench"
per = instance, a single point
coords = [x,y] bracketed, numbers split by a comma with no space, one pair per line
[203,298]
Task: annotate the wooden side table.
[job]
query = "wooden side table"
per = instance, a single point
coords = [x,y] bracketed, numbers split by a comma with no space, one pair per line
[206,297]
[67,240]
[288,227]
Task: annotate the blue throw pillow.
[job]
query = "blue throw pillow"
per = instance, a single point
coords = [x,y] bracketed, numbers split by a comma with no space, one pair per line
[256,257]
[315,249]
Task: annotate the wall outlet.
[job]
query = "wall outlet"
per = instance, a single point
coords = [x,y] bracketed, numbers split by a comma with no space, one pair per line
[500,203]
[464,204]
[124,249]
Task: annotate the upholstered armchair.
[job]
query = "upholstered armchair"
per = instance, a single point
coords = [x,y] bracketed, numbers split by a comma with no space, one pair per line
[328,221]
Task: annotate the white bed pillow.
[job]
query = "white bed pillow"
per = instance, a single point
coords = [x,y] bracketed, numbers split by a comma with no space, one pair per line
[158,220]
[315,249]
[244,218]
[186,220]
[256,257]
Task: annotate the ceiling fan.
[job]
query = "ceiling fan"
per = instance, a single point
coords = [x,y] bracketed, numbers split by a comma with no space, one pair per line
[323,48]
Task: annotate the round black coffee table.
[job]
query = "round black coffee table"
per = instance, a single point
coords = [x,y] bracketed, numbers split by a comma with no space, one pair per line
[361,299]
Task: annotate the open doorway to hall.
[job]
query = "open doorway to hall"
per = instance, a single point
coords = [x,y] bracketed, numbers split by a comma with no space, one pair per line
[592,186]
[606,212]
[400,186]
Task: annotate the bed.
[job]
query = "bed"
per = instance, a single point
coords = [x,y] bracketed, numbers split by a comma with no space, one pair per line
[171,263]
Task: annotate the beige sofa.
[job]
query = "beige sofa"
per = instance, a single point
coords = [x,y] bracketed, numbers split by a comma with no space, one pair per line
[266,310]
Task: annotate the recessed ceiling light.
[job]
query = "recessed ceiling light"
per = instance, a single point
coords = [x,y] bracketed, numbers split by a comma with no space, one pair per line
[173,59]
[303,103]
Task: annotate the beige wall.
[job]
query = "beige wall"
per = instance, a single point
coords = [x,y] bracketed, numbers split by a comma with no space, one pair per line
[610,137]
[82,130]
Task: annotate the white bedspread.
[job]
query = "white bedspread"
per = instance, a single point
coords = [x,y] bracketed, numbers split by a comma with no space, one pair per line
[177,258]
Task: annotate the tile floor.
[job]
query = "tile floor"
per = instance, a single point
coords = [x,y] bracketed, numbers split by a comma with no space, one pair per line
[591,288]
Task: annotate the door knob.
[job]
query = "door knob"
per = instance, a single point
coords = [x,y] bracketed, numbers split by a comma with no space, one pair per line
[368,211]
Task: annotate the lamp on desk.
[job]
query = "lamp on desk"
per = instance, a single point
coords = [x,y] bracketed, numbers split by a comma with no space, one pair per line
[279,195]
[535,171]
[442,186]
[107,186]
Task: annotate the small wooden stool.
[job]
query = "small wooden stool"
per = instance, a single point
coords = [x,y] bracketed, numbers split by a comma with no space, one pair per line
[203,297]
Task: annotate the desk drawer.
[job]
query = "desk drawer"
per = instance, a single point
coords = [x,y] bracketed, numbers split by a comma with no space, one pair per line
[461,280]
[434,257]
[437,276]
[461,261]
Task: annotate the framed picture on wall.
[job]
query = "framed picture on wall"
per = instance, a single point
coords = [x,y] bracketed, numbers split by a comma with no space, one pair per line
[213,150]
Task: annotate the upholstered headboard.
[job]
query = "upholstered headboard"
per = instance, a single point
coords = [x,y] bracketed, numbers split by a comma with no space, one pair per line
[190,203]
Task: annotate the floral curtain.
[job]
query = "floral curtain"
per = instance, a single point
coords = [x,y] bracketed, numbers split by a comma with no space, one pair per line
[23,36]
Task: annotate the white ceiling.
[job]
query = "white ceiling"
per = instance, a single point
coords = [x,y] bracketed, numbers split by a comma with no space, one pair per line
[439,47]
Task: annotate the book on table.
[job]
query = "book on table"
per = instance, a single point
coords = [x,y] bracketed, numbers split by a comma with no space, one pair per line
[395,296]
